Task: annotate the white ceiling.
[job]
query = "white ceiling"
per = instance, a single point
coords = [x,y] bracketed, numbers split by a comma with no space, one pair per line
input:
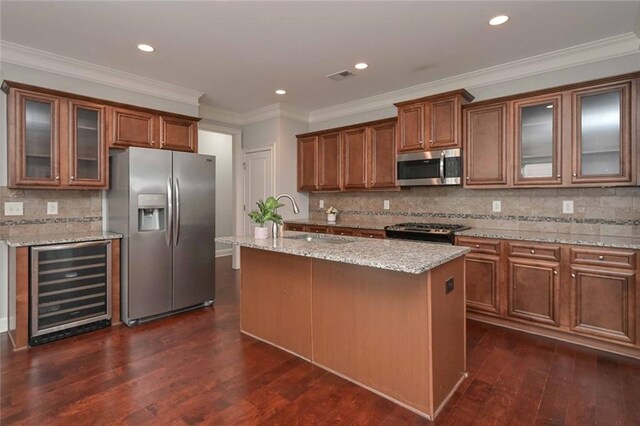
[238,53]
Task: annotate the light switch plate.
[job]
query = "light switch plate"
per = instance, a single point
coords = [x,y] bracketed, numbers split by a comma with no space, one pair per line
[496,206]
[567,207]
[321,204]
[13,209]
[52,207]
[386,204]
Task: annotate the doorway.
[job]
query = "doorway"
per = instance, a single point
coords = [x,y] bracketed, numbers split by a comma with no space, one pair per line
[258,181]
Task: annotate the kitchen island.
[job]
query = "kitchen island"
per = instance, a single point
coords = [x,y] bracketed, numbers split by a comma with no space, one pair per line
[388,315]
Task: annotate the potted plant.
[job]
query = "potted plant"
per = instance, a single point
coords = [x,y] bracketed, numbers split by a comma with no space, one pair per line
[332,214]
[266,212]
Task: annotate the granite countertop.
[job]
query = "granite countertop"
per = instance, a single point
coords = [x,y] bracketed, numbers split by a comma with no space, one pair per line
[395,255]
[556,238]
[345,223]
[66,237]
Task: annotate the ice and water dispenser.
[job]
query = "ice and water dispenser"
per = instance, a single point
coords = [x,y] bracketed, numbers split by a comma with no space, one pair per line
[151,211]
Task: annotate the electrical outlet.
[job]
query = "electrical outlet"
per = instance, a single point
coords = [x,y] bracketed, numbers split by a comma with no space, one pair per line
[386,204]
[321,204]
[567,207]
[52,207]
[448,286]
[497,206]
[13,209]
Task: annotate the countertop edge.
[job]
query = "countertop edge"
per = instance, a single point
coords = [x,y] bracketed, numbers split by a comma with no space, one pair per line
[36,240]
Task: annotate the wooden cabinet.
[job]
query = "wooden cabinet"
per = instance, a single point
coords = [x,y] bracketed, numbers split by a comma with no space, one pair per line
[371,233]
[336,230]
[133,128]
[347,232]
[486,145]
[358,157]
[178,134]
[537,140]
[308,163]
[329,162]
[431,123]
[601,134]
[534,291]
[577,135]
[483,274]
[55,142]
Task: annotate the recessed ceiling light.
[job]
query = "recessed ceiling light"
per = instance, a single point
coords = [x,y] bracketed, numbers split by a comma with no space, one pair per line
[281,92]
[146,48]
[498,20]
[361,66]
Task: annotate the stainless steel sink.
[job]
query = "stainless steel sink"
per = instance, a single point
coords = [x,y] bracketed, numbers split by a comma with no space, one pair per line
[320,239]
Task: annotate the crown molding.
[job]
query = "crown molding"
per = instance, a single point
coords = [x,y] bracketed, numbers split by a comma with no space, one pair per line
[599,50]
[17,54]
[209,112]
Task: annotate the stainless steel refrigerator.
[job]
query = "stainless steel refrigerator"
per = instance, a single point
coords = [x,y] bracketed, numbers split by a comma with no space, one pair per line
[163,202]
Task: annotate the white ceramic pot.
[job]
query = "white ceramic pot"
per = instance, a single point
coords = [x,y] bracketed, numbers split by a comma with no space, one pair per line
[331,217]
[260,232]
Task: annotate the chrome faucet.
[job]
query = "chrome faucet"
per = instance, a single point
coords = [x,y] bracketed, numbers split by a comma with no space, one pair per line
[277,230]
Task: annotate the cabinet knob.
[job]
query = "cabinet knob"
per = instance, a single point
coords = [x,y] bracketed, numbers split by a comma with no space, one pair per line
[467,177]
[573,275]
[558,176]
[430,140]
[73,177]
[600,257]
[57,177]
[574,174]
[153,142]
[371,182]
[555,272]
[533,251]
[477,245]
[421,143]
[370,236]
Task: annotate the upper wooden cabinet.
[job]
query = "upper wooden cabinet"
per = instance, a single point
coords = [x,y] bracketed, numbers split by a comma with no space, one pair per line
[578,135]
[330,162]
[308,163]
[178,134]
[358,157]
[133,128]
[486,145]
[55,142]
[431,123]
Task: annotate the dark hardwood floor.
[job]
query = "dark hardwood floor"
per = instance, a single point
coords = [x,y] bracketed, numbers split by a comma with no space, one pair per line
[197,368]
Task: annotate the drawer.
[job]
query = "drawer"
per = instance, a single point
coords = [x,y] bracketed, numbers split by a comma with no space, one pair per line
[603,257]
[535,251]
[371,233]
[293,227]
[480,245]
[338,230]
[317,229]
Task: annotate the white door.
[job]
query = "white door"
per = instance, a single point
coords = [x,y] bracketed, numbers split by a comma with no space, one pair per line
[258,182]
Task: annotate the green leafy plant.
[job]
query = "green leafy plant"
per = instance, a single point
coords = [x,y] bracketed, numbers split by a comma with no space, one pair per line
[266,212]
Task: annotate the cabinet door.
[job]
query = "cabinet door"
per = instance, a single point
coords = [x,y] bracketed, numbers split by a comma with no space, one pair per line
[538,141]
[603,303]
[443,117]
[87,145]
[534,291]
[329,166]
[308,164]
[355,158]
[133,128]
[34,139]
[178,134]
[411,128]
[483,283]
[383,156]
[485,138]
[601,147]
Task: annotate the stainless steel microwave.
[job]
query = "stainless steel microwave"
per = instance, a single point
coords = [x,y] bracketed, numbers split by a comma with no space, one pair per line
[430,168]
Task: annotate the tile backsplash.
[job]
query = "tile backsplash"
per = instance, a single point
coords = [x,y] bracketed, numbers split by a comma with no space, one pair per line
[597,211]
[77,211]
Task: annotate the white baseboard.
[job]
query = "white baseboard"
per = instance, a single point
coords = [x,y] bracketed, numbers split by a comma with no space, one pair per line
[3,325]
[224,252]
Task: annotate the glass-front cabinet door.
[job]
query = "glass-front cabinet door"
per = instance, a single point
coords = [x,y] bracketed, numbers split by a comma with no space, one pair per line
[36,134]
[87,147]
[538,141]
[601,134]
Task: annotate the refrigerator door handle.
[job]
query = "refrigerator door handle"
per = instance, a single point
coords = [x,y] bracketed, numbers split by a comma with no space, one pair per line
[177,210]
[169,224]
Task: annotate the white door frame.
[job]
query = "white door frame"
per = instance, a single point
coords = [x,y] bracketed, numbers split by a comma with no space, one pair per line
[237,179]
[272,149]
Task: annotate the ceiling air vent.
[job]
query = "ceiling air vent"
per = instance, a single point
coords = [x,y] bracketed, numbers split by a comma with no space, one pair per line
[340,75]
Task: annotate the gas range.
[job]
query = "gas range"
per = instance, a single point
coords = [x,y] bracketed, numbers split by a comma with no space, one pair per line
[430,232]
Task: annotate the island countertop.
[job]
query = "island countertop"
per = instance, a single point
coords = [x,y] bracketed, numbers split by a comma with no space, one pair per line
[395,255]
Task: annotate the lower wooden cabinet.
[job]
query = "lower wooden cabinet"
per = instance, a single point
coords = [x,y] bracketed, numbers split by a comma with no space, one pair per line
[483,283]
[534,291]
[336,230]
[603,303]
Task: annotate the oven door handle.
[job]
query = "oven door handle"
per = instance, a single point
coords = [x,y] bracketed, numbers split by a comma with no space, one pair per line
[442,167]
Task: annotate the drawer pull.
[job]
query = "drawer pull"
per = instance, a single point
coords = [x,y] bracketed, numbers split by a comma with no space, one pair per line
[533,251]
[477,245]
[600,257]
[573,275]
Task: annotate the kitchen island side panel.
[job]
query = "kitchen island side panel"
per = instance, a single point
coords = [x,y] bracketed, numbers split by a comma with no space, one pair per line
[275,299]
[372,326]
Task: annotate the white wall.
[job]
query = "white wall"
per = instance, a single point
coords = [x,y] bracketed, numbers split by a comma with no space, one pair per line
[221,146]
